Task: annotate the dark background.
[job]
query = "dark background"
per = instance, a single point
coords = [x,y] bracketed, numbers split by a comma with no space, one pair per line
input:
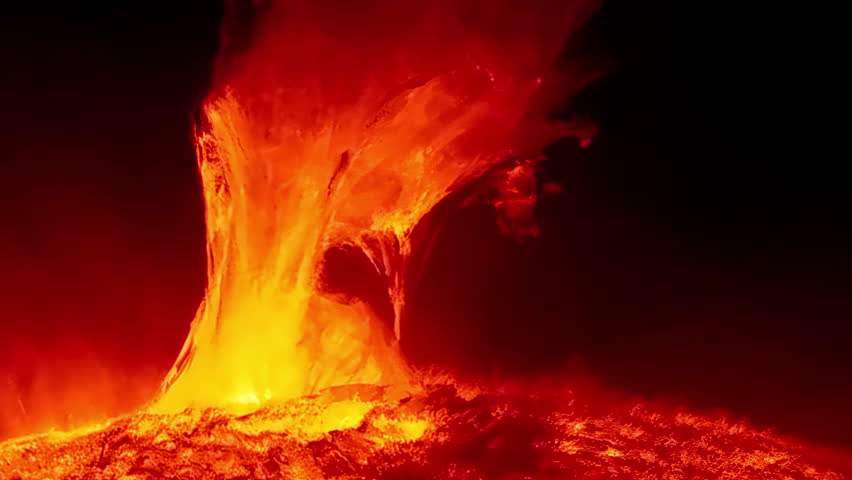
[699,252]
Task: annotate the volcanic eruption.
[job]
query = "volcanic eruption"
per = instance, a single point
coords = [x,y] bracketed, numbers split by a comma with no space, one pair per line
[340,130]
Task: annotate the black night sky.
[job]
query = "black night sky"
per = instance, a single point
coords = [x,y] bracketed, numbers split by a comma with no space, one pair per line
[700,251]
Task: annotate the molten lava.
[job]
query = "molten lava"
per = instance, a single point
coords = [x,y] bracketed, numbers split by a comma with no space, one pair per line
[339,128]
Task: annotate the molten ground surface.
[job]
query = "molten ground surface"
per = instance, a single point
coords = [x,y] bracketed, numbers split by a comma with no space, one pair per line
[363,432]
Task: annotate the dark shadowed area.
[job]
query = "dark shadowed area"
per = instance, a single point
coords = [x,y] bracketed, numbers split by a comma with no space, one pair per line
[698,250]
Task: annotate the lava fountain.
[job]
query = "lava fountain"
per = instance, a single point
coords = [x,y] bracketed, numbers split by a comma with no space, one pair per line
[339,127]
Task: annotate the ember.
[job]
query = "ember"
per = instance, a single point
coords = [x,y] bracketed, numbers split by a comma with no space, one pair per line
[338,128]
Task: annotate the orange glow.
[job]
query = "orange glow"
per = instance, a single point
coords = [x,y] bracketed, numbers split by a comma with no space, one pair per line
[359,432]
[344,127]
[311,141]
